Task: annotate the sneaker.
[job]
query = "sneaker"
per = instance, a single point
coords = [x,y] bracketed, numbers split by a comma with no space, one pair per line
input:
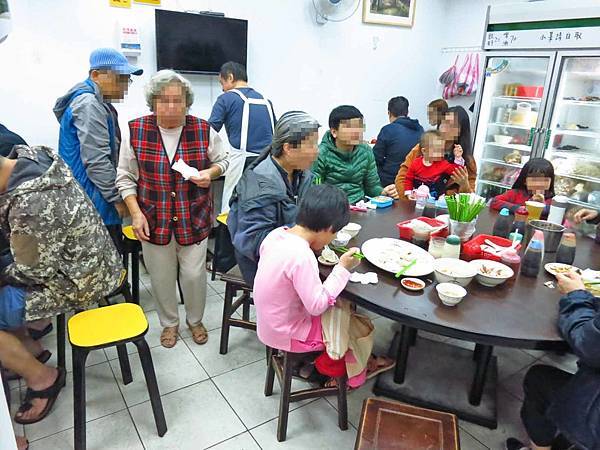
[515,444]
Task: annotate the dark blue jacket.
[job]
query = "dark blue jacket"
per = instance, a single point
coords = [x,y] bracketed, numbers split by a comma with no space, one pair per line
[576,409]
[394,142]
[259,204]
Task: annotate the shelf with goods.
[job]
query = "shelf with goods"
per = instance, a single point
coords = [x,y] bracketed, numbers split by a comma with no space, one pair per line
[520,147]
[575,154]
[501,163]
[514,98]
[508,125]
[593,134]
[579,103]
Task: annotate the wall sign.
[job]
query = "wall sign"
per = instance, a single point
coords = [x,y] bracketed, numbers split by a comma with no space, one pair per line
[543,38]
[120,3]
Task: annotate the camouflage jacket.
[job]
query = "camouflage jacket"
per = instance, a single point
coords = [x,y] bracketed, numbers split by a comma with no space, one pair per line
[62,252]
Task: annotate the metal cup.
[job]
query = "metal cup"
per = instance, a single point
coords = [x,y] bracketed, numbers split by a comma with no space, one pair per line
[552,233]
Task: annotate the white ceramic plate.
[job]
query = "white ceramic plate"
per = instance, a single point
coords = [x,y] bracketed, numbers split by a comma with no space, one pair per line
[392,255]
[325,262]
[555,268]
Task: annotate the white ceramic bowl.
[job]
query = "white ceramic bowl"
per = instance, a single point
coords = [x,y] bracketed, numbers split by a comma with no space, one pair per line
[352,229]
[491,273]
[450,293]
[452,270]
[501,139]
[341,239]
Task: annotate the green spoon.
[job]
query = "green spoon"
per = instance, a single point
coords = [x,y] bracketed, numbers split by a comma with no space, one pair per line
[405,268]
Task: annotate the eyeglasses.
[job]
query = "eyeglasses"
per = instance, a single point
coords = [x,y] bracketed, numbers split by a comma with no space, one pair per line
[125,79]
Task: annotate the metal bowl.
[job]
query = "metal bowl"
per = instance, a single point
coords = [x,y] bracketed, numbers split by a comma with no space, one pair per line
[552,233]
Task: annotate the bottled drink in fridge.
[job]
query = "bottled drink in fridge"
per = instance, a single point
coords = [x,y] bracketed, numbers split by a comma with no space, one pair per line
[534,255]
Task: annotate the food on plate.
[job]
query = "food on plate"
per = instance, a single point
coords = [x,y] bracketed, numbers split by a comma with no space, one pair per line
[493,271]
[381,198]
[556,268]
[394,258]
[329,255]
[413,284]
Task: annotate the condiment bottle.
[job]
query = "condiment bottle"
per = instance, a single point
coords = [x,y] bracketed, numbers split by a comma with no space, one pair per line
[451,247]
[515,236]
[566,249]
[503,224]
[534,255]
[521,215]
[429,210]
[557,209]
[512,259]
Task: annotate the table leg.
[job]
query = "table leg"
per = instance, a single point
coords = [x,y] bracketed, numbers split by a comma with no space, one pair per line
[406,336]
[484,355]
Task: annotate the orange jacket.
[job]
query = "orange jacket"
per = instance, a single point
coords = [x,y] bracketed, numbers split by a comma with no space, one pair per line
[415,153]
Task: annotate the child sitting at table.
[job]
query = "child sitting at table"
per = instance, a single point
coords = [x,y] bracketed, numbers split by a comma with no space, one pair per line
[288,293]
[432,169]
[346,161]
[535,182]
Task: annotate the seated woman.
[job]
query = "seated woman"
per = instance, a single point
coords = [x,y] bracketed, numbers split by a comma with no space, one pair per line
[455,129]
[288,293]
[535,182]
[560,406]
[265,198]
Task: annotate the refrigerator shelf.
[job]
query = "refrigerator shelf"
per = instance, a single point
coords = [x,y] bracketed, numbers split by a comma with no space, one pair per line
[517,99]
[578,177]
[580,133]
[520,147]
[579,103]
[508,125]
[574,154]
[501,163]
[494,183]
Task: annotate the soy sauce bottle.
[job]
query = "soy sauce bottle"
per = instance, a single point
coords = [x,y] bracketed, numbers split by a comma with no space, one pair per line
[566,250]
[534,255]
[503,224]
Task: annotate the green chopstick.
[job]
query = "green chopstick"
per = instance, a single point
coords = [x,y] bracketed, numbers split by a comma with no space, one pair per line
[357,255]
[405,268]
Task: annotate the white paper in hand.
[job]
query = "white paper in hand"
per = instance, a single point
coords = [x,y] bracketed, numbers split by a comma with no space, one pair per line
[186,171]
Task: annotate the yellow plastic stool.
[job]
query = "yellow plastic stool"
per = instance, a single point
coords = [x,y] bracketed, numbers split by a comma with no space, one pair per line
[113,325]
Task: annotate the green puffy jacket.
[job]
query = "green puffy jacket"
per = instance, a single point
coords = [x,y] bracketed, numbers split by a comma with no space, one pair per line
[354,172]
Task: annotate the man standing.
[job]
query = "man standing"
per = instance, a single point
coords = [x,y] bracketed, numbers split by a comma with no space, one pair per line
[249,122]
[90,136]
[395,140]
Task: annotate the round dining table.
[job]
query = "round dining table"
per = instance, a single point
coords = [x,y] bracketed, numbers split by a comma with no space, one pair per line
[521,313]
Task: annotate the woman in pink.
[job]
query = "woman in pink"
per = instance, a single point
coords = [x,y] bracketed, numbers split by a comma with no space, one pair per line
[288,293]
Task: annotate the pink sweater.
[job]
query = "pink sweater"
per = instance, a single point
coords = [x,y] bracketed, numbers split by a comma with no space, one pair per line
[288,290]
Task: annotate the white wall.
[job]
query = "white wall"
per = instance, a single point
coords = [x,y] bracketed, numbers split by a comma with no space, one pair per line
[293,61]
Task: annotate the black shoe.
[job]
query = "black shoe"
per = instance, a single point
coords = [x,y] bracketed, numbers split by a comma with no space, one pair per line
[36,335]
[515,444]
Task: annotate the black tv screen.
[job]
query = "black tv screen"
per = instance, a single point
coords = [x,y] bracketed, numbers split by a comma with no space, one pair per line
[196,43]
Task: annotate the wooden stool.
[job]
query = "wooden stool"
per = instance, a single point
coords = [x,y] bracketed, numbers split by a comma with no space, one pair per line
[113,325]
[234,282]
[131,246]
[281,363]
[386,425]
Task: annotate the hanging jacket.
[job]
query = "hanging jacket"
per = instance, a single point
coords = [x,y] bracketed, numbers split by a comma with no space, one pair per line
[394,142]
[355,172]
[88,142]
[62,252]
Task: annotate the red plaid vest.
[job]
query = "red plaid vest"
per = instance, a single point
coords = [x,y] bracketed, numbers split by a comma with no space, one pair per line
[170,203]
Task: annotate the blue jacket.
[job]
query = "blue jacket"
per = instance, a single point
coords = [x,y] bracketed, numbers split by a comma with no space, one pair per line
[394,142]
[576,409]
[259,204]
[89,145]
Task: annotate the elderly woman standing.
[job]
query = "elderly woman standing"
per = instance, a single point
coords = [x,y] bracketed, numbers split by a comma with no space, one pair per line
[171,215]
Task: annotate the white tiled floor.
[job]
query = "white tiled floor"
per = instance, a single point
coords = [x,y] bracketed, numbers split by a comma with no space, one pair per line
[215,401]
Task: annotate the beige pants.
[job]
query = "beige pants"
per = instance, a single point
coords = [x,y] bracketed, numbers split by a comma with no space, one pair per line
[162,262]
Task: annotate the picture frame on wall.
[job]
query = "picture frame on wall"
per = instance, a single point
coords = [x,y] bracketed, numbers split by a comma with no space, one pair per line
[389,12]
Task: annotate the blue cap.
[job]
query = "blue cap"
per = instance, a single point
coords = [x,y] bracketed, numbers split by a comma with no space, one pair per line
[504,212]
[111,59]
[536,245]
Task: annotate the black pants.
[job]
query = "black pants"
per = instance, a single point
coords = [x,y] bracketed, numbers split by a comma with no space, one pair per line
[540,386]
[116,235]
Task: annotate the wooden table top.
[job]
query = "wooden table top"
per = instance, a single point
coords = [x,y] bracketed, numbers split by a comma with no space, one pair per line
[522,313]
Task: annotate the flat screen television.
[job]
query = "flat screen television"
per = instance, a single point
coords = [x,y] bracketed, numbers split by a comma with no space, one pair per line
[197,43]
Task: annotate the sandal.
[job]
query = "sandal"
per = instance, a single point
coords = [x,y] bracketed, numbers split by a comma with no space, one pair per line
[168,337]
[50,393]
[199,333]
[379,364]
[22,442]
[42,357]
[332,383]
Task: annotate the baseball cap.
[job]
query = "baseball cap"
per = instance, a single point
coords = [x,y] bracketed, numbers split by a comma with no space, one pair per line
[111,59]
